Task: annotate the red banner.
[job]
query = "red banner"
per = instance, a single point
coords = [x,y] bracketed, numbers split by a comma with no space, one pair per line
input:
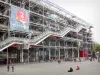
[21,16]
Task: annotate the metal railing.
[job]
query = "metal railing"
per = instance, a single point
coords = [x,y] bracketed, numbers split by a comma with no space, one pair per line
[79,28]
[9,39]
[46,34]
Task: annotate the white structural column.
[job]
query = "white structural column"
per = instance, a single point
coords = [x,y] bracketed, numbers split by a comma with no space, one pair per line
[49,54]
[55,49]
[72,53]
[37,54]
[43,53]
[21,56]
[78,49]
[59,49]
[59,53]
[64,50]
[28,56]
[7,57]
[55,53]
[49,50]
[67,53]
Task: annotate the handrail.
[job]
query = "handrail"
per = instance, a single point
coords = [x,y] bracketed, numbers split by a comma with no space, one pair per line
[79,28]
[36,39]
[9,41]
[44,35]
[48,33]
[2,37]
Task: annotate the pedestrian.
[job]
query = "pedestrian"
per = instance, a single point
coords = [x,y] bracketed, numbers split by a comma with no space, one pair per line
[70,70]
[78,68]
[91,59]
[59,61]
[12,67]
[99,58]
[74,59]
[8,67]
[80,60]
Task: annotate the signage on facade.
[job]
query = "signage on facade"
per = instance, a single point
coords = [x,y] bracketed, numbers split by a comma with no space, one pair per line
[19,20]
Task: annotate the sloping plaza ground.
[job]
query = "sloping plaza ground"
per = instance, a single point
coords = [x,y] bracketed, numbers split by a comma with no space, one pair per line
[87,68]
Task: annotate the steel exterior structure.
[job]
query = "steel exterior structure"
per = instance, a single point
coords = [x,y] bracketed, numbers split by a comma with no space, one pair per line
[53,33]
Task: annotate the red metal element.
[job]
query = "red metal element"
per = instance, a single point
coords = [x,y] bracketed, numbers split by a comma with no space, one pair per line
[84,53]
[15,45]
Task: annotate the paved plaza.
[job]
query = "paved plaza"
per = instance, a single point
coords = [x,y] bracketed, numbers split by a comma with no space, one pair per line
[87,68]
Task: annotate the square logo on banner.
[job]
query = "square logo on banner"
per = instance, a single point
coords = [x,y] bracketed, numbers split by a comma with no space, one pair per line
[19,20]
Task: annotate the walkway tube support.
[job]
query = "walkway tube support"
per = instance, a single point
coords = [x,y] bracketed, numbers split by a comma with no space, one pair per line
[49,54]
[7,58]
[78,50]
[28,56]
[21,56]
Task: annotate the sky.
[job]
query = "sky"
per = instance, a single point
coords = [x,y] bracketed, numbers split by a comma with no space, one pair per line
[88,10]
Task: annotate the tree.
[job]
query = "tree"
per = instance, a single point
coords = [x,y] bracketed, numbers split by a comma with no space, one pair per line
[96,47]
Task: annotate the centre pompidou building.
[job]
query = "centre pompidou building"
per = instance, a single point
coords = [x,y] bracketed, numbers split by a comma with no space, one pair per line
[39,30]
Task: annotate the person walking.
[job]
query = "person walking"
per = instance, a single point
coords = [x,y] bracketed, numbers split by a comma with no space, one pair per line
[12,66]
[91,59]
[74,59]
[8,65]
